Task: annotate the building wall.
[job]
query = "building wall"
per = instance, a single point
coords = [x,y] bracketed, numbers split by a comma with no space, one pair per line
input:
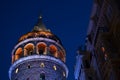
[103,40]
[32,68]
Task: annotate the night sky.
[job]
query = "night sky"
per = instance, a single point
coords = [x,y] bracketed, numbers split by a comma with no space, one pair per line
[68,19]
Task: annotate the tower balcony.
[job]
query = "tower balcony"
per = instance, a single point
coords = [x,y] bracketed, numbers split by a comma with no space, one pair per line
[38,46]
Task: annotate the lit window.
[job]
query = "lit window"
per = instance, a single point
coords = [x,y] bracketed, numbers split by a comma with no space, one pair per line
[53,50]
[16,71]
[105,56]
[41,48]
[103,49]
[64,74]
[54,67]
[28,49]
[18,53]
[42,65]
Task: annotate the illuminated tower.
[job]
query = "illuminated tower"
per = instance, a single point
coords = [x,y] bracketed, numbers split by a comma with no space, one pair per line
[39,55]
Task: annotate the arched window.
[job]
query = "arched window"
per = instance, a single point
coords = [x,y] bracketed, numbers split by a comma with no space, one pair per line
[53,50]
[41,48]
[61,56]
[18,53]
[28,49]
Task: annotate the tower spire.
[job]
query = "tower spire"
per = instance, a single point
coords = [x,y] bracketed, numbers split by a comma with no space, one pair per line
[40,26]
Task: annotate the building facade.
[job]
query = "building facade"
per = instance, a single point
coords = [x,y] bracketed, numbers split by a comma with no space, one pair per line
[83,70]
[38,55]
[103,40]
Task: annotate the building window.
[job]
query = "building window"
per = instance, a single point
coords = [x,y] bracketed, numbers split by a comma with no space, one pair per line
[28,49]
[53,50]
[105,56]
[18,53]
[54,67]
[42,65]
[16,71]
[41,48]
[64,74]
[42,76]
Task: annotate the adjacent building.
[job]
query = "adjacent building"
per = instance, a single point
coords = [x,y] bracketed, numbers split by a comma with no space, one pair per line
[38,55]
[102,42]
[83,70]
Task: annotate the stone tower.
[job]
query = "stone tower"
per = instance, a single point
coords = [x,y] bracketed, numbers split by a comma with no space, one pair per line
[38,55]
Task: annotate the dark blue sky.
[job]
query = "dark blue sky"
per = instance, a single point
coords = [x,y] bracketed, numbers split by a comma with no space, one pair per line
[68,19]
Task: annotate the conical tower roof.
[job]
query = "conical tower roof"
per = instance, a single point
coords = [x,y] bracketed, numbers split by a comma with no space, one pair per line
[40,26]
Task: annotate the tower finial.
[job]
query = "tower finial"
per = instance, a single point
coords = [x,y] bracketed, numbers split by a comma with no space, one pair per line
[40,25]
[40,17]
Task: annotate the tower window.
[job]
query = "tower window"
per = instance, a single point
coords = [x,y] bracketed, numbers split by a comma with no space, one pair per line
[42,76]
[18,53]
[53,50]
[64,74]
[16,71]
[41,48]
[42,65]
[28,49]
[54,67]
